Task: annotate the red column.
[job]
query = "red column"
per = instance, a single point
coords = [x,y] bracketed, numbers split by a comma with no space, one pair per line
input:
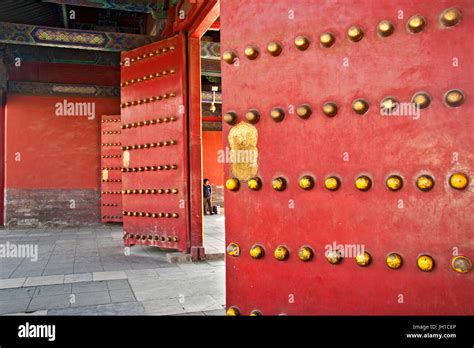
[207,17]
[3,97]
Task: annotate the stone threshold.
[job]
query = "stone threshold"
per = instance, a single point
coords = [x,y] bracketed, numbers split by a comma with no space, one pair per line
[185,258]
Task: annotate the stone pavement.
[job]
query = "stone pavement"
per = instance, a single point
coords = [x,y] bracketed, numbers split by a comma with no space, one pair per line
[214,236]
[84,271]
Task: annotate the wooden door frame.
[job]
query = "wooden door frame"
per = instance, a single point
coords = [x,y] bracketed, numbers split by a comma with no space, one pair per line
[203,22]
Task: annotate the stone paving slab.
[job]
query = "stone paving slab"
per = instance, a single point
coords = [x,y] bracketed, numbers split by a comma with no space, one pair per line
[58,270]
[215,312]
[118,284]
[48,290]
[130,308]
[112,309]
[79,277]
[109,275]
[47,280]
[5,273]
[163,307]
[91,298]
[123,295]
[12,283]
[150,273]
[90,310]
[214,236]
[200,303]
[190,314]
[27,272]
[49,302]
[14,305]
[14,293]
[82,287]
[42,313]
[216,262]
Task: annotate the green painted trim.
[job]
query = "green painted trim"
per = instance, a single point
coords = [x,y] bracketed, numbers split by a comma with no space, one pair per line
[60,55]
[22,34]
[62,89]
[142,6]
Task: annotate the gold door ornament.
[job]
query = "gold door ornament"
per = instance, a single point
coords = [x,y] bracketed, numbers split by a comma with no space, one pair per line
[105,174]
[243,140]
[126,159]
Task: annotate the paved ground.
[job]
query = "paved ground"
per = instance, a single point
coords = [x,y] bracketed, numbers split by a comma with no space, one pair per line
[84,271]
[214,236]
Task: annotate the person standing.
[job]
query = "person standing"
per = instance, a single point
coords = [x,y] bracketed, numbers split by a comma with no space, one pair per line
[207,193]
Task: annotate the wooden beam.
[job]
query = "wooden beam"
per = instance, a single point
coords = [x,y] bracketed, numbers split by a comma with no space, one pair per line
[142,6]
[24,34]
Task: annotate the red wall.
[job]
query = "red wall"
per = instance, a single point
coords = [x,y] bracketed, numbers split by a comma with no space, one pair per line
[66,73]
[2,162]
[56,152]
[211,144]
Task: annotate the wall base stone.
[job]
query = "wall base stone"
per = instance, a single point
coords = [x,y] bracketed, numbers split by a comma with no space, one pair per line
[36,208]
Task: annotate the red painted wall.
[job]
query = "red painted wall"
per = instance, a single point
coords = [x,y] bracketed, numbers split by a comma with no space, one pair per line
[65,73]
[211,145]
[2,162]
[56,152]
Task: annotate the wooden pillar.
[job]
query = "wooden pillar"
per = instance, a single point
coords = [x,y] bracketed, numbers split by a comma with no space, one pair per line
[207,17]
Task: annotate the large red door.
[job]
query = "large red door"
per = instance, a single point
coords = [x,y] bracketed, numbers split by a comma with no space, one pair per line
[111,162]
[154,144]
[352,192]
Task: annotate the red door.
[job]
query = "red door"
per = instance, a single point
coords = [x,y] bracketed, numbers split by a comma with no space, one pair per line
[111,176]
[353,192]
[154,144]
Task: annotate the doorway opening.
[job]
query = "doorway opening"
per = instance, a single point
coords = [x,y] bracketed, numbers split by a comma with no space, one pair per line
[212,152]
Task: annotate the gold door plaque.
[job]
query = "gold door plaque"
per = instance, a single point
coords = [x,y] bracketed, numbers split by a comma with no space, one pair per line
[243,140]
[126,159]
[105,174]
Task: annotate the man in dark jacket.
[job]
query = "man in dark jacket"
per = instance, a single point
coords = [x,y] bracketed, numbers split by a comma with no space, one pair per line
[207,193]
